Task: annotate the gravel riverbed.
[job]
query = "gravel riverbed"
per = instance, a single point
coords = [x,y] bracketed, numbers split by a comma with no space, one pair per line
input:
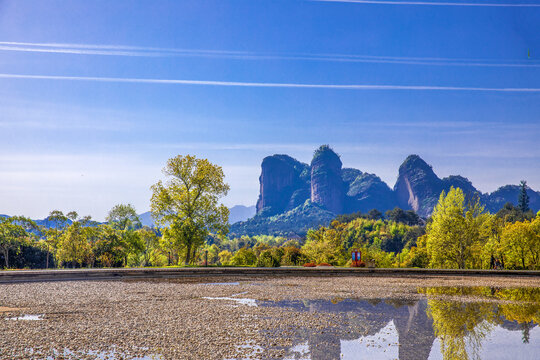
[203,318]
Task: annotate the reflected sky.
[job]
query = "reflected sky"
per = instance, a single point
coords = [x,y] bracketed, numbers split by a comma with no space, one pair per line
[449,323]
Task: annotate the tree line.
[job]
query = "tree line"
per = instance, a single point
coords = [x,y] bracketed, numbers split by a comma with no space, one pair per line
[192,228]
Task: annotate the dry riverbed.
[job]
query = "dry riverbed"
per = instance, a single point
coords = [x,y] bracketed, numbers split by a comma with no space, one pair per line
[215,318]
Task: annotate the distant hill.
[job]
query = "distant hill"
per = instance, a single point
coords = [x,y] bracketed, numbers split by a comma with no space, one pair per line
[146,219]
[292,192]
[241,213]
[293,223]
[238,213]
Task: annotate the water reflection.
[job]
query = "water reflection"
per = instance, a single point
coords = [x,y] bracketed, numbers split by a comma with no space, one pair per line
[461,327]
[450,323]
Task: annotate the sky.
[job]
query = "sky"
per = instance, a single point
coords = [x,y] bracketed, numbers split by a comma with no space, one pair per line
[95,96]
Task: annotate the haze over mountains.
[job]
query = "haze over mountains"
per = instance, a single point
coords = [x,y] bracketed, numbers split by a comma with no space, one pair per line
[292,191]
[237,213]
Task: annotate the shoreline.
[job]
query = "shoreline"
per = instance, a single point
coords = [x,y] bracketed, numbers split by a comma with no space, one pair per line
[26,276]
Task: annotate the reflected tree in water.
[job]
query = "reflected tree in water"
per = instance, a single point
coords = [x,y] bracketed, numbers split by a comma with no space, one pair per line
[463,325]
[459,325]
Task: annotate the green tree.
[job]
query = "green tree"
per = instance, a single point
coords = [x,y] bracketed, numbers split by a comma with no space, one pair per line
[267,259]
[124,217]
[213,254]
[225,257]
[150,241]
[457,231]
[57,224]
[13,230]
[375,214]
[188,204]
[408,217]
[292,256]
[243,257]
[110,249]
[493,248]
[523,200]
[74,246]
[510,213]
[521,244]
[325,246]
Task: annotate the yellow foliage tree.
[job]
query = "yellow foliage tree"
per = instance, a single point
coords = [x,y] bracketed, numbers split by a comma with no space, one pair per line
[457,232]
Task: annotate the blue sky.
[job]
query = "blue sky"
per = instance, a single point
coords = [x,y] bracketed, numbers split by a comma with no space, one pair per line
[451,83]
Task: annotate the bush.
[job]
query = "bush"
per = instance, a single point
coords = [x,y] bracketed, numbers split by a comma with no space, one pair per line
[266,259]
[292,256]
[244,257]
[28,257]
[310,265]
[324,264]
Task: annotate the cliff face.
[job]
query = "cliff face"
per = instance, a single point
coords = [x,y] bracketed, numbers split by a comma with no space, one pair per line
[417,187]
[368,191]
[284,184]
[327,186]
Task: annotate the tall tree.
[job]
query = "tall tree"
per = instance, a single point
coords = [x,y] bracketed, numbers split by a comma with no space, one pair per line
[74,246]
[188,203]
[150,241]
[124,217]
[521,244]
[57,224]
[456,231]
[523,200]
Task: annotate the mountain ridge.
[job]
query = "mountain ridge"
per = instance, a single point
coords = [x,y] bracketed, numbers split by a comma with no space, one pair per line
[338,190]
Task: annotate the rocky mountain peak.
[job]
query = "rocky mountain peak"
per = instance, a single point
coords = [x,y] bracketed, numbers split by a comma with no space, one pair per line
[327,187]
[417,186]
[284,184]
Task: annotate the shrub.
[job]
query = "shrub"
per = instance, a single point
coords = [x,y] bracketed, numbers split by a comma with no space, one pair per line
[310,265]
[266,259]
[324,264]
[291,256]
[244,257]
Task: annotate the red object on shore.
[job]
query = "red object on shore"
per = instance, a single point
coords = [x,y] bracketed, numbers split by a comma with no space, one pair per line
[324,264]
[357,259]
[310,265]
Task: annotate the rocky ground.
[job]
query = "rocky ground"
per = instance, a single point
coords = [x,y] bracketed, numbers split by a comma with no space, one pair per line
[186,319]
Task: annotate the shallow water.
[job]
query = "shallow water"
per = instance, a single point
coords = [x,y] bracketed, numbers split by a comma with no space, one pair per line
[26,317]
[232,298]
[450,323]
[102,355]
[232,283]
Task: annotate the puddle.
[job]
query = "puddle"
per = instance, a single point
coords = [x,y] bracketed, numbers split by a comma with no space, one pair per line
[488,324]
[222,283]
[27,318]
[95,354]
[483,293]
[240,301]
[248,351]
